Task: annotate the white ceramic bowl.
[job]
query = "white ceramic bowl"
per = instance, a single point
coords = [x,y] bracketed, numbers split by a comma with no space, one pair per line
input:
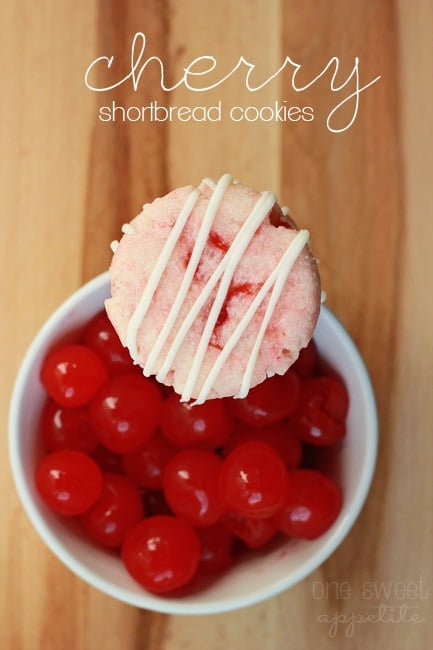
[263,574]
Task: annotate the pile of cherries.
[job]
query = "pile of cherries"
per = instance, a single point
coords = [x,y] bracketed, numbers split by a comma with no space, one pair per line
[179,490]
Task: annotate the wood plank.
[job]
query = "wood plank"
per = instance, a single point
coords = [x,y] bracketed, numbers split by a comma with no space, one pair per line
[67,183]
[248,150]
[127,164]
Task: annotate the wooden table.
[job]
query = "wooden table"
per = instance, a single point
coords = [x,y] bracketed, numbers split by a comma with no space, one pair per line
[70,179]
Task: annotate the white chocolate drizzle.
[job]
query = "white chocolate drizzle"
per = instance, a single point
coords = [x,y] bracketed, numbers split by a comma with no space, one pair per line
[193,263]
[155,276]
[225,270]
[278,279]
[223,274]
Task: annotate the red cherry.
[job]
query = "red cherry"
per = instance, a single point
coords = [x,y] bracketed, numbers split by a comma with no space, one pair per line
[125,412]
[102,338]
[117,510]
[162,553]
[190,483]
[253,480]
[155,503]
[313,503]
[305,364]
[72,374]
[280,436]
[68,481]
[319,418]
[108,460]
[66,428]
[204,426]
[146,465]
[123,445]
[216,548]
[277,218]
[271,401]
[253,532]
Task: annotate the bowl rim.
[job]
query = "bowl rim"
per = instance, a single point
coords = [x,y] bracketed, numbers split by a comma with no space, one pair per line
[180,605]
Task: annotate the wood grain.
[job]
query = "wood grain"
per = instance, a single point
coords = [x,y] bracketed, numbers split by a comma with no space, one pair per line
[134,153]
[67,183]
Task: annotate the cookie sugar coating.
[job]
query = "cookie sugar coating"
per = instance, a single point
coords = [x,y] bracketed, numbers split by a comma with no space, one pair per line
[180,322]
